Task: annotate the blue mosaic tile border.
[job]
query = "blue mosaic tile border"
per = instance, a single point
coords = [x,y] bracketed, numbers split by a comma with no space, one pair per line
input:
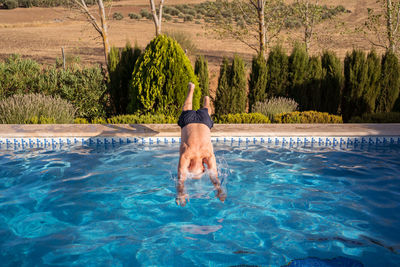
[312,141]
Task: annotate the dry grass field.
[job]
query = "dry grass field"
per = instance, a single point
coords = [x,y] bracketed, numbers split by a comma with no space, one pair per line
[39,33]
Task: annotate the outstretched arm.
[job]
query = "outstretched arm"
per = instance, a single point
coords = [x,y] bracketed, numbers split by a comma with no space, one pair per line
[180,187]
[212,167]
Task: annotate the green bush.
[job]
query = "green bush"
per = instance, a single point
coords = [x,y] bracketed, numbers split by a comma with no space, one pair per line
[355,83]
[160,79]
[120,67]
[390,83]
[85,88]
[274,106]
[242,118]
[146,14]
[147,119]
[307,117]
[231,91]
[389,117]
[374,76]
[35,108]
[10,4]
[298,63]
[134,16]
[201,71]
[80,121]
[313,83]
[118,16]
[167,17]
[257,81]
[332,82]
[277,65]
[188,18]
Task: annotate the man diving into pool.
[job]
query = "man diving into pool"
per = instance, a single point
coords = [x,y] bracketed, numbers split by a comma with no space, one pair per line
[196,148]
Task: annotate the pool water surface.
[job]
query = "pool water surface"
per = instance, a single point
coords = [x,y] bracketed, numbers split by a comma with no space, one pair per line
[115,206]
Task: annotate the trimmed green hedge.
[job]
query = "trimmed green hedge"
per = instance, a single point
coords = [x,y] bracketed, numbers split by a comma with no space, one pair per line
[390,117]
[307,117]
[242,118]
[131,119]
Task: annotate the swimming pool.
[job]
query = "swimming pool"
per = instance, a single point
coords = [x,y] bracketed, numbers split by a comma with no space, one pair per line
[114,205]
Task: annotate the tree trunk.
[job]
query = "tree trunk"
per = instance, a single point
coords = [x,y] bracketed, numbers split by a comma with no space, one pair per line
[389,25]
[261,26]
[157,19]
[104,29]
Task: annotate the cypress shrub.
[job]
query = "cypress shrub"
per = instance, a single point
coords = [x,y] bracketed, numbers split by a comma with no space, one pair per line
[120,68]
[160,79]
[277,65]
[257,81]
[332,82]
[298,62]
[238,86]
[201,71]
[313,83]
[222,97]
[390,82]
[373,88]
[355,83]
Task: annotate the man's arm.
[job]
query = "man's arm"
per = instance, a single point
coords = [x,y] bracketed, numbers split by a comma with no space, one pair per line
[212,167]
[182,173]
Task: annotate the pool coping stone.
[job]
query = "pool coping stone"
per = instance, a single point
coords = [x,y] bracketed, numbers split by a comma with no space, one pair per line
[219,130]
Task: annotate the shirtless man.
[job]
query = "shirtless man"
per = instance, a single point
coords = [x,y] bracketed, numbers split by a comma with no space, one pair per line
[196,148]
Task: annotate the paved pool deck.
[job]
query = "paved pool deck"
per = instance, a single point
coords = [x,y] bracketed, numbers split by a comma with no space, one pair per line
[219,130]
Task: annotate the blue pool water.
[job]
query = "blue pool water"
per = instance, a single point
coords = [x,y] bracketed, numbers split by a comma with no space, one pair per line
[115,206]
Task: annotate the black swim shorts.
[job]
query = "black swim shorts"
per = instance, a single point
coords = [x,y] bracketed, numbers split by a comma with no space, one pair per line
[195,116]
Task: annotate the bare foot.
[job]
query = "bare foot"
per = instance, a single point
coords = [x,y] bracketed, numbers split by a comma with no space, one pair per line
[191,86]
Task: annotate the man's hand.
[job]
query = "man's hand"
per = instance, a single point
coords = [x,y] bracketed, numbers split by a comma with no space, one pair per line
[221,194]
[181,199]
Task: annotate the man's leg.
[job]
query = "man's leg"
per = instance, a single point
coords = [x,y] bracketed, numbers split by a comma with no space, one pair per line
[188,101]
[206,104]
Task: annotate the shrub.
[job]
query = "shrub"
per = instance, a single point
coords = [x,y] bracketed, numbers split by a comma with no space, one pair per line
[167,17]
[188,18]
[35,108]
[313,83]
[80,121]
[117,16]
[355,82]
[10,4]
[160,79]
[184,40]
[134,16]
[374,75]
[201,71]
[257,81]
[221,102]
[145,13]
[85,88]
[147,119]
[274,106]
[120,68]
[390,83]
[242,118]
[387,117]
[298,63]
[25,3]
[332,82]
[231,91]
[307,117]
[172,11]
[277,65]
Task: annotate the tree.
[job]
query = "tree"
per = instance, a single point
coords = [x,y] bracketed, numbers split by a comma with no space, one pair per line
[355,84]
[390,83]
[160,79]
[278,70]
[157,18]
[313,84]
[298,62]
[253,22]
[221,102]
[384,24]
[120,67]
[374,76]
[101,27]
[257,81]
[238,86]
[310,14]
[201,71]
[332,82]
